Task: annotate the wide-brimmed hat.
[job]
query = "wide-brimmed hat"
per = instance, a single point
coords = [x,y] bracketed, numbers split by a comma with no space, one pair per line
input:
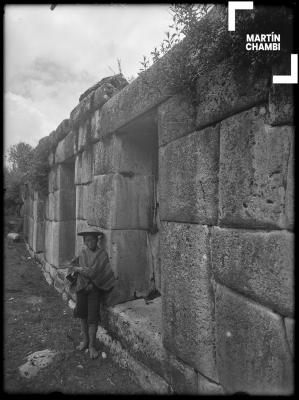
[90,231]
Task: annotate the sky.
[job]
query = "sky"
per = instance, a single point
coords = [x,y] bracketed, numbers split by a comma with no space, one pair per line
[52,57]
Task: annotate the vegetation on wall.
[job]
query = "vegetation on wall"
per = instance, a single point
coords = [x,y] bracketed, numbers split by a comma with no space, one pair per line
[207,41]
[38,173]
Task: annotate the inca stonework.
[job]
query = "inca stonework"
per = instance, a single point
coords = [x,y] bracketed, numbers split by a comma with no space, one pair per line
[196,203]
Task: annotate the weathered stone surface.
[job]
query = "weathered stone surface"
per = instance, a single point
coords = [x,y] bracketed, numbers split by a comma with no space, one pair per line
[258,264]
[25,228]
[281,98]
[102,94]
[50,206]
[187,297]
[62,130]
[65,176]
[150,382]
[138,326]
[227,90]
[95,125]
[82,201]
[123,154]
[51,159]
[39,237]
[144,93]
[118,202]
[127,250]
[290,330]
[63,241]
[252,351]
[290,189]
[83,135]
[281,105]
[176,118]
[206,387]
[52,180]
[82,110]
[188,184]
[84,167]
[65,148]
[117,81]
[65,204]
[49,242]
[38,210]
[153,246]
[254,162]
[30,231]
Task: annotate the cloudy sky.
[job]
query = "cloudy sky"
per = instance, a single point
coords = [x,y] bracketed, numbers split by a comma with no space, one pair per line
[51,57]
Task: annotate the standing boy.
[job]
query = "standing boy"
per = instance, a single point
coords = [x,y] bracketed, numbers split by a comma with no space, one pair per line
[94,277]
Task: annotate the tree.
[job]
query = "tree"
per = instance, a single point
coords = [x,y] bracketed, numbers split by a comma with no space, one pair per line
[16,173]
[19,157]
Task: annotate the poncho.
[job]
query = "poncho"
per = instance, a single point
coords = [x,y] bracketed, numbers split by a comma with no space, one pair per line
[96,269]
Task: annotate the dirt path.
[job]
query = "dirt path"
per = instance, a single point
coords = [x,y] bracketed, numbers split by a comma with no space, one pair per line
[36,318]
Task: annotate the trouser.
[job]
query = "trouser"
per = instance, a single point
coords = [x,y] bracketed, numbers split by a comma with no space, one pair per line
[88,305]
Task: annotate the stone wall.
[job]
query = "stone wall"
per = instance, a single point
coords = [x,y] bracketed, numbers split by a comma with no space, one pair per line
[196,202]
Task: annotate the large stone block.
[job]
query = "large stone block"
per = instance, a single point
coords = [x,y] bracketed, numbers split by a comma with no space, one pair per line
[62,130]
[39,237]
[65,176]
[84,167]
[176,118]
[124,154]
[51,159]
[290,331]
[26,228]
[258,264]
[252,351]
[64,234]
[49,241]
[227,90]
[52,180]
[103,93]
[83,135]
[127,250]
[65,204]
[118,202]
[39,210]
[187,296]
[65,148]
[253,177]
[281,105]
[153,245]
[30,231]
[50,206]
[82,201]
[281,98]
[188,184]
[82,110]
[137,325]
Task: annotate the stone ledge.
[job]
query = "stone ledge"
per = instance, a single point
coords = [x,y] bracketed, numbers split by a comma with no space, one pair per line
[137,325]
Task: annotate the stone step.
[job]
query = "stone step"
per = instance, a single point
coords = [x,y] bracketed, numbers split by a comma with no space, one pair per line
[137,327]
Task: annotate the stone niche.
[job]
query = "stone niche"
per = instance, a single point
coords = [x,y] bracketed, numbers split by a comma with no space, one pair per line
[122,201]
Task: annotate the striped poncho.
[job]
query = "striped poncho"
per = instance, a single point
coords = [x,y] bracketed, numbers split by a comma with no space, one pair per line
[96,269]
